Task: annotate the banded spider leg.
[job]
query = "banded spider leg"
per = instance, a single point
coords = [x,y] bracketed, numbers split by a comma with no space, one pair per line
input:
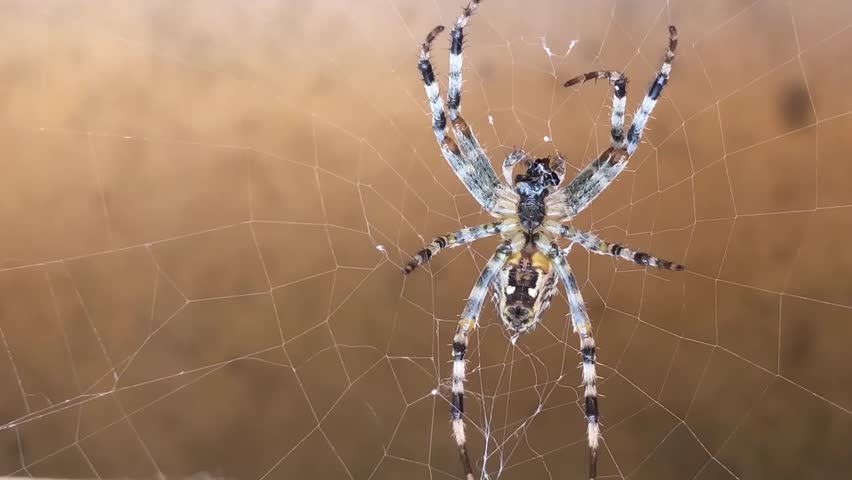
[574,197]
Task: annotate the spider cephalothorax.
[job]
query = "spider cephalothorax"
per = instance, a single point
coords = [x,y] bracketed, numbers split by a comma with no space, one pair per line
[532,186]
[531,211]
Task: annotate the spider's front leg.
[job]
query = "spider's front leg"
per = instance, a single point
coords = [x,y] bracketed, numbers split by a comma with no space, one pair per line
[590,182]
[469,319]
[619,100]
[594,179]
[583,327]
[468,160]
[634,135]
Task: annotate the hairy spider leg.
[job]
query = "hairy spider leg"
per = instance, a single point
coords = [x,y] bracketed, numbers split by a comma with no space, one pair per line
[579,193]
[455,83]
[433,93]
[595,244]
[595,178]
[466,325]
[558,167]
[469,162]
[513,158]
[634,135]
[460,237]
[619,100]
[583,327]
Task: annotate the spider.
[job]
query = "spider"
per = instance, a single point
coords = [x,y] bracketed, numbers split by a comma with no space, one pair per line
[531,209]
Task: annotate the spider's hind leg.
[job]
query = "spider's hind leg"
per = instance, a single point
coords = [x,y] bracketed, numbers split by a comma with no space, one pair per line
[469,319]
[583,327]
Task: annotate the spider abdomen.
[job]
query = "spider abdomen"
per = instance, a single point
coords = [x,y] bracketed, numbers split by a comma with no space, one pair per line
[526,286]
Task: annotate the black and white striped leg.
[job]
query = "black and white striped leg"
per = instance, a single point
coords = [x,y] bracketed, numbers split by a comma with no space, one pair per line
[590,397]
[471,150]
[595,244]
[436,103]
[582,326]
[593,179]
[596,177]
[463,330]
[579,193]
[619,100]
[455,239]
[455,84]
[634,135]
[466,325]
[467,160]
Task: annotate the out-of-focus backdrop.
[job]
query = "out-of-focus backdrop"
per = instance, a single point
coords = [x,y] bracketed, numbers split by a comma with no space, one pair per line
[205,207]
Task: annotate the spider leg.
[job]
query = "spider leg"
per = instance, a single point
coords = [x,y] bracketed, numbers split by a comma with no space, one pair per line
[574,197]
[484,181]
[455,239]
[582,325]
[595,244]
[469,162]
[634,135]
[471,150]
[512,159]
[517,156]
[466,325]
[592,180]
[436,103]
[455,84]
[558,166]
[619,100]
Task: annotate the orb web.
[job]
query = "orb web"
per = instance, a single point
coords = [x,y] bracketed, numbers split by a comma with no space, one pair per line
[207,208]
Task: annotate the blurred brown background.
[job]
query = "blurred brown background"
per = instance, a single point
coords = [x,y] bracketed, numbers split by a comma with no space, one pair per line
[205,206]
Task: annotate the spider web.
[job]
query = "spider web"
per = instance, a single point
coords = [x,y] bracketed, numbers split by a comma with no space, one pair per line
[206,208]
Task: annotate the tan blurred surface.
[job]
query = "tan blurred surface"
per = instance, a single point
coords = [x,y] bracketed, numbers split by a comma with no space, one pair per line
[205,207]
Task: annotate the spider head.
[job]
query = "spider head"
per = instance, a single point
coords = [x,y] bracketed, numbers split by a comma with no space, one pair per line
[538,178]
